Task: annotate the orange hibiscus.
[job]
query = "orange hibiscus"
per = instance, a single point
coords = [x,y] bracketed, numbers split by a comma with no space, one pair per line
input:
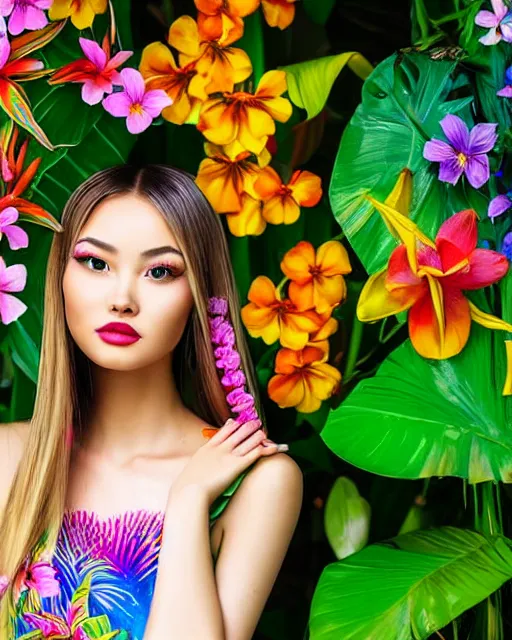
[222,66]
[246,117]
[302,379]
[283,201]
[269,317]
[319,339]
[222,19]
[184,85]
[317,280]
[279,13]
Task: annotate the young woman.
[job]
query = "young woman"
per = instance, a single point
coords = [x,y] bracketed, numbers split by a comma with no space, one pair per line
[118,517]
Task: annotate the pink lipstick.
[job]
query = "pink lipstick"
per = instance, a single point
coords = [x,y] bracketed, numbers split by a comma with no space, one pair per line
[118,333]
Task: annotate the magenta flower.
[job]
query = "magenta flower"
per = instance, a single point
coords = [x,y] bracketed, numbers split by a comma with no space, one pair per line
[17,237]
[12,280]
[134,103]
[498,21]
[506,92]
[498,205]
[5,45]
[25,14]
[466,152]
[4,583]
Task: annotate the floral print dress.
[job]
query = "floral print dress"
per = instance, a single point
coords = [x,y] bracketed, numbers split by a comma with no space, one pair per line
[99,582]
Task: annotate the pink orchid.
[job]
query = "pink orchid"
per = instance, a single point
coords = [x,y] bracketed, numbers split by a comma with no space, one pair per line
[39,576]
[12,279]
[97,71]
[5,45]
[134,103]
[498,21]
[25,14]
[17,237]
[4,583]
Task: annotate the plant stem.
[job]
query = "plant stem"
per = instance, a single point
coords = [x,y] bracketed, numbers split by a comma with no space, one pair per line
[353,349]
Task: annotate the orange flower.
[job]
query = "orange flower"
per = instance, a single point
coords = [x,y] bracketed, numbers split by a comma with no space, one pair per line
[283,202]
[269,317]
[278,13]
[319,339]
[248,221]
[221,66]
[224,180]
[302,379]
[184,85]
[222,19]
[317,281]
[246,117]
[82,12]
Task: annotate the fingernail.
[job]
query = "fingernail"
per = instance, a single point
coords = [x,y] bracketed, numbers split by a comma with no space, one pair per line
[283,447]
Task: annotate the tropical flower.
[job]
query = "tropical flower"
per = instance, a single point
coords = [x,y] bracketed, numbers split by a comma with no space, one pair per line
[224,180]
[222,19]
[220,65]
[320,338]
[278,13]
[282,202]
[25,14]
[135,103]
[249,221]
[506,92]
[82,12]
[4,583]
[17,237]
[246,117]
[97,71]
[17,68]
[38,575]
[466,153]
[498,21]
[506,246]
[428,279]
[269,317]
[184,85]
[499,205]
[317,280]
[12,280]
[303,380]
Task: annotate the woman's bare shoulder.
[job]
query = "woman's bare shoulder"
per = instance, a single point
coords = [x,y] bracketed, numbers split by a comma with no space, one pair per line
[13,438]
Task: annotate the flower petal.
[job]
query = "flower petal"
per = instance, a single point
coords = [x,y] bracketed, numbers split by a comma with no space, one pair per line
[457,238]
[506,92]
[154,101]
[93,52]
[13,278]
[485,268]
[92,93]
[118,104]
[249,220]
[399,273]
[499,8]
[376,302]
[499,205]
[507,386]
[437,151]
[477,170]
[286,390]
[306,188]
[262,292]
[268,183]
[482,138]
[486,19]
[133,83]
[272,84]
[11,308]
[450,171]
[456,130]
[16,236]
[5,46]
[297,261]
[184,36]
[332,259]
[492,37]
[138,121]
[8,216]
[303,295]
[328,291]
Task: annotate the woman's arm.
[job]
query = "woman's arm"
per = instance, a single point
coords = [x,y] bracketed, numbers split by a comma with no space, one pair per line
[190,602]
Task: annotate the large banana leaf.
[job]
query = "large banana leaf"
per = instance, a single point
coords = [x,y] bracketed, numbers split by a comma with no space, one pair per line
[403,101]
[410,587]
[419,418]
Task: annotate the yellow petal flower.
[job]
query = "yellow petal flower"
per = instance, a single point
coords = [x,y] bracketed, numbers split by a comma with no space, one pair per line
[248,221]
[507,387]
[82,12]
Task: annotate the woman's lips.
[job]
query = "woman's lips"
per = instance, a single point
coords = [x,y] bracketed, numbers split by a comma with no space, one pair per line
[119,339]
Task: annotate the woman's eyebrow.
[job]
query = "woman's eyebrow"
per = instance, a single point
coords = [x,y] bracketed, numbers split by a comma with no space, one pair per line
[145,254]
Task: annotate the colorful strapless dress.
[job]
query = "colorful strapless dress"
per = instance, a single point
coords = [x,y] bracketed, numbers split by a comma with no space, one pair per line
[99,582]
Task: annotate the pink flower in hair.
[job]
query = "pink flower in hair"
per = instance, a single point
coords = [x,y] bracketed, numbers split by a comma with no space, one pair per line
[4,583]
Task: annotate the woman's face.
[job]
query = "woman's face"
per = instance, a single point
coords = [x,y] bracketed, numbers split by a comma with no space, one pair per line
[109,279]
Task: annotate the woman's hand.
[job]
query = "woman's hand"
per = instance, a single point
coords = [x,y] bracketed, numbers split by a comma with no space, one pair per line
[222,459]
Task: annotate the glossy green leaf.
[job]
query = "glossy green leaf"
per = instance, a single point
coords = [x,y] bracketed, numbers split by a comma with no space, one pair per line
[319,12]
[346,518]
[419,418]
[309,83]
[412,587]
[403,102]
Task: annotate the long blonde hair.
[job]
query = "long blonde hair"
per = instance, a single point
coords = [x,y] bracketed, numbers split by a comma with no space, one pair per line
[37,497]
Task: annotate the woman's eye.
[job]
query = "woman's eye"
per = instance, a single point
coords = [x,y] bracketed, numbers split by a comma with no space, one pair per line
[159,272]
[161,269]
[91,260]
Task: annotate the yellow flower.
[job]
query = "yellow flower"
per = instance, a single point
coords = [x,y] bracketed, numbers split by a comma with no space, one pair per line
[82,12]
[320,338]
[248,221]
[222,19]
[221,66]
[278,13]
[303,380]
[246,117]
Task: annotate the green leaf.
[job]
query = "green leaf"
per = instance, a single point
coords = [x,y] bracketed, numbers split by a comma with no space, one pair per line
[252,42]
[419,418]
[310,82]
[403,102]
[410,587]
[346,518]
[319,12]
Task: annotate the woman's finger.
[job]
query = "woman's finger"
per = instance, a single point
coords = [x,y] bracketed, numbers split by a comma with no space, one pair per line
[243,432]
[249,443]
[225,431]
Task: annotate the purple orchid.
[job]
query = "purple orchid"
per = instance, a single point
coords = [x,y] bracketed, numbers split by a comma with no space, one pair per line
[506,92]
[134,103]
[5,45]
[25,14]
[498,21]
[499,205]
[12,280]
[17,237]
[466,153]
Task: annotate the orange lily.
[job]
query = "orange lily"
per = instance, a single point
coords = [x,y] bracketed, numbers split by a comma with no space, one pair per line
[319,339]
[279,13]
[221,65]
[282,202]
[222,19]
[224,180]
[246,117]
[82,12]
[16,179]
[317,280]
[184,85]
[428,278]
[303,380]
[269,317]
[248,221]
